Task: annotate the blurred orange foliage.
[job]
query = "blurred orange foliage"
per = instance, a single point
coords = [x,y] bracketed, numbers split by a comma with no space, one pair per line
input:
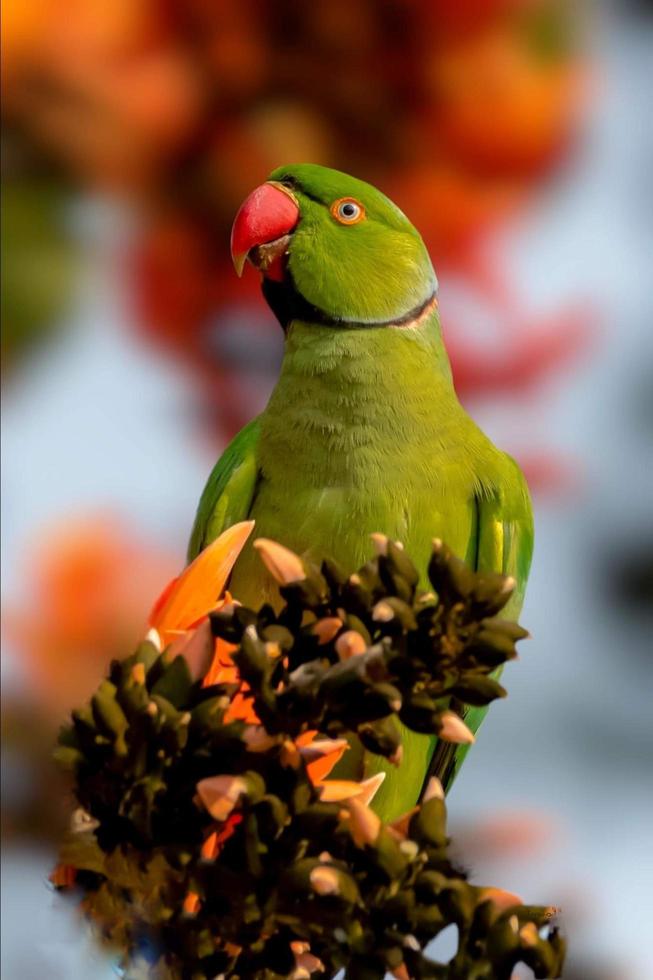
[458,110]
[88,585]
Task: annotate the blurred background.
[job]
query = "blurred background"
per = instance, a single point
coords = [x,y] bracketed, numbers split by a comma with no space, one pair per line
[517,136]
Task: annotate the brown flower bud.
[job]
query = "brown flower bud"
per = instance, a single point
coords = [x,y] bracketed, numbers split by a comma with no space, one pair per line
[220,794]
[350,644]
[325,629]
[282,563]
[324,881]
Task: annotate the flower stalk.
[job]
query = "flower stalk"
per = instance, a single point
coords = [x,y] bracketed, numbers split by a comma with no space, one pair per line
[213,833]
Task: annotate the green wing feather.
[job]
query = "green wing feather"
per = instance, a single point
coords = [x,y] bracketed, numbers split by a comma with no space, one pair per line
[505,545]
[230,489]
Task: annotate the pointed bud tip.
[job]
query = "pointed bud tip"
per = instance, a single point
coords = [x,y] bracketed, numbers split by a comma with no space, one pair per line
[152,636]
[341,790]
[434,790]
[245,524]
[371,787]
[220,794]
[282,563]
[454,729]
[380,542]
[364,824]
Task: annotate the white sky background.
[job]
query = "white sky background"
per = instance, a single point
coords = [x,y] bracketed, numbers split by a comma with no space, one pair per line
[98,420]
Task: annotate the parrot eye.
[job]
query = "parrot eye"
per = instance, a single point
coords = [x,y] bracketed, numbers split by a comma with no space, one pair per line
[347,211]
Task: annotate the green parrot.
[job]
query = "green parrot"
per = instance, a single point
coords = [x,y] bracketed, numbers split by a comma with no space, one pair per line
[363,432]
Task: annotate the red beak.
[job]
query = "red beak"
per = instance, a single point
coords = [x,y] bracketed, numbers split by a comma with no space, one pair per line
[269,213]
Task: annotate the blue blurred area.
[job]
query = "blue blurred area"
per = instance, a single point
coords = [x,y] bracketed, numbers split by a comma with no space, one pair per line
[98,419]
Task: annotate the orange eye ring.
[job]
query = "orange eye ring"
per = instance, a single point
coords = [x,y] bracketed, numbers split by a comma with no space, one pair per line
[347,211]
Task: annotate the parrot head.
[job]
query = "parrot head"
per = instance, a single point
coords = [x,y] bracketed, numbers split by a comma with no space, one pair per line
[332,250]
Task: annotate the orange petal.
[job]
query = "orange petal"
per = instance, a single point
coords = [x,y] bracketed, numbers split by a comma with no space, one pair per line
[63,876]
[192,904]
[194,593]
[242,709]
[321,757]
[210,847]
[338,790]
[305,738]
[223,670]
[213,843]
